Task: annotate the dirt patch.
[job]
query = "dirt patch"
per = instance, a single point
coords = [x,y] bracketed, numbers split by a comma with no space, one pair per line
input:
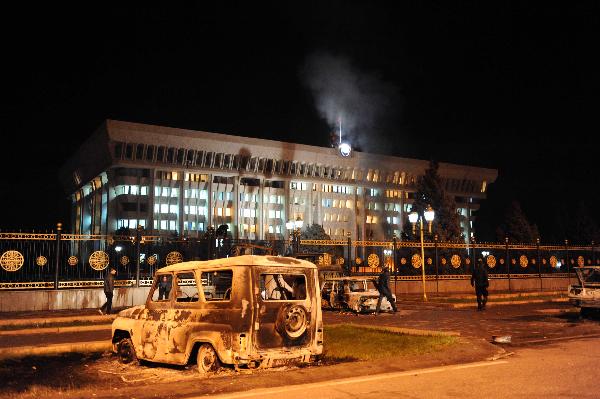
[102,376]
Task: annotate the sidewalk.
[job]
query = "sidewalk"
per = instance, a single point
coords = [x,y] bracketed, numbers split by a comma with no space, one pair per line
[462,300]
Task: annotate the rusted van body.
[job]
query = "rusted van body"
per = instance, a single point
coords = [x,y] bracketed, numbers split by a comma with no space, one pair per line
[255,311]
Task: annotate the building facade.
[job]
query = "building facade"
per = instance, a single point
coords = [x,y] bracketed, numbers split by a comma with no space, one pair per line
[170,180]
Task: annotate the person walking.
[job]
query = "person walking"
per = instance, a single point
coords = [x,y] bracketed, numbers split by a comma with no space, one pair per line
[479,280]
[109,286]
[384,290]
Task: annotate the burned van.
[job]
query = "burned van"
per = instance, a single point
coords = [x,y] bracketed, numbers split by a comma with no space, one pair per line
[251,311]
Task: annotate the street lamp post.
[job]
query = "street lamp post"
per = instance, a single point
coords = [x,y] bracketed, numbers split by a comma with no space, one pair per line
[413,217]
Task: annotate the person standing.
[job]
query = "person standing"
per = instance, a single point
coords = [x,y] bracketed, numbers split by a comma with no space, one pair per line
[384,290]
[479,280]
[164,286]
[109,286]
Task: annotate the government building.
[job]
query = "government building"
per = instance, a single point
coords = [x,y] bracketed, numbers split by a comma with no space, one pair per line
[177,181]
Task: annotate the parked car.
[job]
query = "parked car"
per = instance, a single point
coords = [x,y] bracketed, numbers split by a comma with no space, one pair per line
[254,311]
[586,294]
[358,294]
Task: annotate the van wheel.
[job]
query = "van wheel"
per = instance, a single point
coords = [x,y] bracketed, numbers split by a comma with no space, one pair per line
[207,359]
[292,321]
[126,351]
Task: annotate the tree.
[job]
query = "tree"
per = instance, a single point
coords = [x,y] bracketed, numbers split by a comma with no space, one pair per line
[430,191]
[581,227]
[516,226]
[317,232]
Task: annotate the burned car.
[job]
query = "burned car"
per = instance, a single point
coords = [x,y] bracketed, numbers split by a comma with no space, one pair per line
[358,294]
[252,311]
[586,294]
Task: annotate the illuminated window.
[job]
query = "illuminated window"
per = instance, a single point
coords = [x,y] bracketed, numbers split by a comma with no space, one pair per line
[163,224]
[172,225]
[227,211]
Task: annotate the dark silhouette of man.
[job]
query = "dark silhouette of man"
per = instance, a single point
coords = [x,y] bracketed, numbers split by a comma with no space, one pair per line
[384,290]
[479,280]
[164,286]
[109,286]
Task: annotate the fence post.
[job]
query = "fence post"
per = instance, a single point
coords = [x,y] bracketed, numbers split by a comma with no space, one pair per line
[507,264]
[437,275]
[138,239]
[537,244]
[57,269]
[395,258]
[349,264]
[567,260]
[593,255]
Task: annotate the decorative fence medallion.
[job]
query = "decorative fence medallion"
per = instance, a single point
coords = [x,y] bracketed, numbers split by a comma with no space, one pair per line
[340,261]
[99,260]
[415,261]
[429,261]
[491,261]
[523,261]
[152,260]
[373,261]
[124,260]
[455,261]
[11,261]
[553,261]
[467,261]
[580,261]
[501,261]
[72,261]
[444,261]
[533,261]
[324,260]
[173,257]
[358,261]
[41,261]
[513,261]
[403,261]
[544,261]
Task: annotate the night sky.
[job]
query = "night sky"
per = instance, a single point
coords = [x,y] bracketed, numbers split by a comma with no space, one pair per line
[507,85]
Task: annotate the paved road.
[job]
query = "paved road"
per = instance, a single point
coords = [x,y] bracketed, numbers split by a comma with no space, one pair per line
[562,370]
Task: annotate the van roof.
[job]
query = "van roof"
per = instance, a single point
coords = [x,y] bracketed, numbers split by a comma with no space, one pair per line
[243,260]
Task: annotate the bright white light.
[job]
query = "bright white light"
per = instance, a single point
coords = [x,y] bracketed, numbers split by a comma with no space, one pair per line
[345,149]
[429,214]
[387,252]
[558,264]
[299,223]
[413,217]
[118,248]
[485,253]
[289,225]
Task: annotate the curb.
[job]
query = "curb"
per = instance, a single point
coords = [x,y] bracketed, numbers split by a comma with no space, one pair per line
[53,320]
[55,349]
[401,330]
[56,330]
[470,305]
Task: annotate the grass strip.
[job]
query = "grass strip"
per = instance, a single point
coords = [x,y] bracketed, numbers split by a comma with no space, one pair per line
[491,298]
[347,342]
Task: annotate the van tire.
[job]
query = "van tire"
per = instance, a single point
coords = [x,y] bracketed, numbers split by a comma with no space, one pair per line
[207,359]
[126,351]
[292,321]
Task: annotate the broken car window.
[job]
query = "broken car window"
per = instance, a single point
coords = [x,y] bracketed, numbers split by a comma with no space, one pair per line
[187,290]
[283,287]
[217,285]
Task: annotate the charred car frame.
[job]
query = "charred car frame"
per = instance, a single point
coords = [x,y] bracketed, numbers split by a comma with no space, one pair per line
[253,311]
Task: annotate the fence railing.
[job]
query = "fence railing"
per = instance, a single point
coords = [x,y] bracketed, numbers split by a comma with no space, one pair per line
[55,260]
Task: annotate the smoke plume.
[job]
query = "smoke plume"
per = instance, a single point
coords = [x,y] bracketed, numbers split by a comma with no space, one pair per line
[361,100]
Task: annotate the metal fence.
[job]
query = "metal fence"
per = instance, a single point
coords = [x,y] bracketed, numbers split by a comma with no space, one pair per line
[55,260]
